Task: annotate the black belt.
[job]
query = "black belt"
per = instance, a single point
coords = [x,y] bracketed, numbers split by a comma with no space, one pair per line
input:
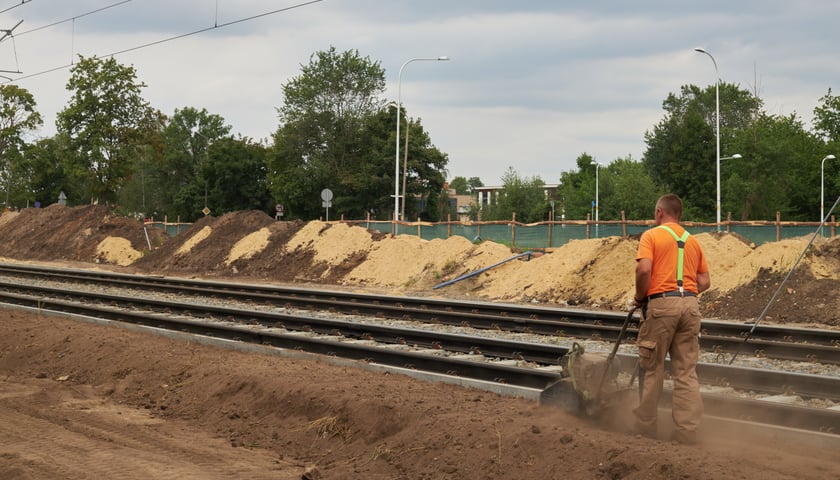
[675,293]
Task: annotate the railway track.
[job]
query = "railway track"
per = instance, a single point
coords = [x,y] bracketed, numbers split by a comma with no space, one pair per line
[250,314]
[720,337]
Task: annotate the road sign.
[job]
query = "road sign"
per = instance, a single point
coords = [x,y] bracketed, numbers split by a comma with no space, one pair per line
[326,196]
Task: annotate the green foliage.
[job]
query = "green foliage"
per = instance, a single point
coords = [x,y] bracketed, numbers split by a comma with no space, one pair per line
[236,176]
[474,183]
[626,187]
[577,190]
[426,175]
[46,173]
[142,193]
[102,123]
[827,118]
[523,196]
[623,186]
[464,186]
[335,132]
[682,147]
[329,110]
[187,138]
[459,184]
[779,171]
[17,118]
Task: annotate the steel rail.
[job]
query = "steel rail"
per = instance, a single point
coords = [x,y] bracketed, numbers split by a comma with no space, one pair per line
[743,378]
[787,343]
[515,317]
[818,420]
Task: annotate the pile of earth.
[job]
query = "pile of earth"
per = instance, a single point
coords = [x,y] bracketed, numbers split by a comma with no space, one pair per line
[81,400]
[595,273]
[91,234]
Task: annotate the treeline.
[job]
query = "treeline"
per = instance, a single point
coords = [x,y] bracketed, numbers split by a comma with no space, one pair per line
[336,130]
[779,165]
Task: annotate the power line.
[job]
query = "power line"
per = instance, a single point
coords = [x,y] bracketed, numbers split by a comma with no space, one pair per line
[15,6]
[71,19]
[176,37]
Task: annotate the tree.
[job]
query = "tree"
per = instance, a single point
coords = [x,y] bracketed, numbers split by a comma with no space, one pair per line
[142,193]
[626,187]
[187,138]
[336,132]
[827,118]
[47,173]
[102,122]
[459,184]
[827,127]
[778,172]
[523,196]
[425,176]
[17,118]
[623,186]
[474,183]
[577,189]
[681,149]
[324,115]
[236,175]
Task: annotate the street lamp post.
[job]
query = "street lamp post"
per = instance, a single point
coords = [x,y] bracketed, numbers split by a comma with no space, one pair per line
[597,165]
[717,130]
[822,183]
[397,155]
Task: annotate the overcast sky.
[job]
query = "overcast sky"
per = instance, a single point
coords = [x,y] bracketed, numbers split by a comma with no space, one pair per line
[531,84]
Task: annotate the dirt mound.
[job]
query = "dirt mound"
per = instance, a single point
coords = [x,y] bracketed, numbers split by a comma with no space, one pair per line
[355,423]
[84,234]
[349,423]
[595,273]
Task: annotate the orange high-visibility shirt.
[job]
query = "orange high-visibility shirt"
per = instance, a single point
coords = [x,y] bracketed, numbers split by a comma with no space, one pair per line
[661,249]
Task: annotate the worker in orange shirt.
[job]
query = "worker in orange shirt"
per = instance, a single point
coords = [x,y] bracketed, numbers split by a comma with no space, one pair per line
[671,271]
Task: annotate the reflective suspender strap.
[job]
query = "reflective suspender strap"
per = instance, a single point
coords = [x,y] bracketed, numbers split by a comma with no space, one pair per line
[681,256]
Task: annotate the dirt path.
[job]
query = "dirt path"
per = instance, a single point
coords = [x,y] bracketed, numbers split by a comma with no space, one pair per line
[82,401]
[54,430]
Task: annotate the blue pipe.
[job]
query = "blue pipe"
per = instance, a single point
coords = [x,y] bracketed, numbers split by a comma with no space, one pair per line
[471,274]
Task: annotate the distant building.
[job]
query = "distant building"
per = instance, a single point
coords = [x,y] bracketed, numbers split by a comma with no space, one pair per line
[461,204]
[458,203]
[490,195]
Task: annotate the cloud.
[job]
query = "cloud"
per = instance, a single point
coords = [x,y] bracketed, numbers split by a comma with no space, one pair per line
[530,84]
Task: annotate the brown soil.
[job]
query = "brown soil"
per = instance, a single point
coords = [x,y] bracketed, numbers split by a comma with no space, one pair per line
[109,403]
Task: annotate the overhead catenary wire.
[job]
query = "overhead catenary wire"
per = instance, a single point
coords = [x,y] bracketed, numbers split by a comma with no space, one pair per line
[74,18]
[178,37]
[71,19]
[9,33]
[15,6]
[779,289]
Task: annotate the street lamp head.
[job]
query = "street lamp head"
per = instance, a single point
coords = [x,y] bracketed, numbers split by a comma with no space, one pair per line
[701,50]
[829,157]
[737,155]
[444,57]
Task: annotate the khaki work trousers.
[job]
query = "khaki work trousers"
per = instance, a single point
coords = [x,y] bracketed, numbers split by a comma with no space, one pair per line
[671,326]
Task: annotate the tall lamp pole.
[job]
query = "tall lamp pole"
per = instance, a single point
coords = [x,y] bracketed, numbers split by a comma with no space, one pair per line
[397,155]
[822,183]
[717,131]
[597,166]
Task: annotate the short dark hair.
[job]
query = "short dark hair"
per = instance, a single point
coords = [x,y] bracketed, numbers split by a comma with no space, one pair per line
[671,205]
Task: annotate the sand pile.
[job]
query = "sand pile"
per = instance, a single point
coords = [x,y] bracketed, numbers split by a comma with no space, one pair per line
[596,273]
